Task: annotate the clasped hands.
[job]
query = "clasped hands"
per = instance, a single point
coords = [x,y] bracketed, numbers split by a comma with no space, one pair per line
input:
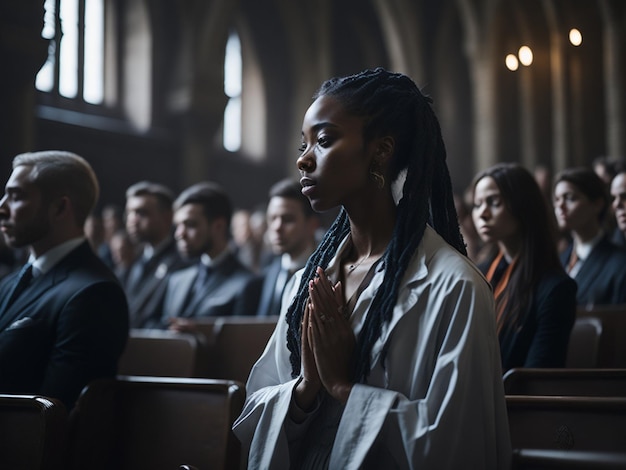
[327,344]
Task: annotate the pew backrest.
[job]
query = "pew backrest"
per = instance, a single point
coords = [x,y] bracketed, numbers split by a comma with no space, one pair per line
[142,422]
[566,382]
[33,432]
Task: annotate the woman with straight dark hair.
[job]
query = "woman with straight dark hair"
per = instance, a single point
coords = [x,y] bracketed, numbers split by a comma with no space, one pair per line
[581,204]
[385,354]
[535,299]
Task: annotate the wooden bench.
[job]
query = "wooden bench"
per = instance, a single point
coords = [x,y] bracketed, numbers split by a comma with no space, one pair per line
[156,423]
[541,459]
[567,423]
[162,353]
[32,432]
[235,344]
[585,342]
[612,347]
[566,382]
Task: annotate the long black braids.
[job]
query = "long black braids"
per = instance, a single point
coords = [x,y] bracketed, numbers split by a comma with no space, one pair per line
[391,104]
[320,257]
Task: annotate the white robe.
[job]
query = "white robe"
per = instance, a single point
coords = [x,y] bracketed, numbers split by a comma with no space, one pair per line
[437,402]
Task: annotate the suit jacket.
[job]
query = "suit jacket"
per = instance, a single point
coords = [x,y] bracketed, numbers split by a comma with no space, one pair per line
[602,277]
[264,293]
[618,238]
[223,291]
[69,327]
[146,282]
[271,294]
[542,338]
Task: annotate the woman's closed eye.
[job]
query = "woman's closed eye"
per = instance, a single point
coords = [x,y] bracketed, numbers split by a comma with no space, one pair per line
[494,201]
[324,141]
[490,201]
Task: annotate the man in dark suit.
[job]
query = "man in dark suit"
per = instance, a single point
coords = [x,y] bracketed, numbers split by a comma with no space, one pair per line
[618,194]
[213,286]
[64,316]
[581,205]
[149,222]
[291,227]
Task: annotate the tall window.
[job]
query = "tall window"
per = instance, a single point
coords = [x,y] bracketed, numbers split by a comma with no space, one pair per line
[75,65]
[232,88]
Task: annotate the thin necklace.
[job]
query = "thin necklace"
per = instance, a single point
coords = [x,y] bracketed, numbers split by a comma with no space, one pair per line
[352,267]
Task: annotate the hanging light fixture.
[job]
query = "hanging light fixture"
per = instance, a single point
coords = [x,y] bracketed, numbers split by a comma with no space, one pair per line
[511,62]
[525,55]
[575,37]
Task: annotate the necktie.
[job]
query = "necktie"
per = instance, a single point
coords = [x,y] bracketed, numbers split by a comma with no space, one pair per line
[23,279]
[573,259]
[136,275]
[204,272]
[279,288]
[198,291]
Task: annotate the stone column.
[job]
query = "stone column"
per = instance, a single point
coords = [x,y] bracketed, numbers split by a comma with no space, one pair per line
[477,20]
[559,87]
[198,99]
[22,51]
[613,14]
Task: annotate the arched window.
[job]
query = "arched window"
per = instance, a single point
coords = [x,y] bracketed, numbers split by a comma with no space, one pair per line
[233,80]
[75,65]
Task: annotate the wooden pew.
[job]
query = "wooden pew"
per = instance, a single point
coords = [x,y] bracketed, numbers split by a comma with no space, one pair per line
[163,353]
[235,344]
[566,382]
[596,424]
[32,432]
[215,347]
[612,347]
[156,423]
[584,343]
[541,459]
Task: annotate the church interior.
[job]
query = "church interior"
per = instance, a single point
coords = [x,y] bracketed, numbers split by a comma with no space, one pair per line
[143,96]
[183,91]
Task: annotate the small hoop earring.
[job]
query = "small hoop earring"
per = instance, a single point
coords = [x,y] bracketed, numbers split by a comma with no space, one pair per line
[378,178]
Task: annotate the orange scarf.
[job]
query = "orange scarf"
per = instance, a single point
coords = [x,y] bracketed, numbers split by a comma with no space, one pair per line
[573,259]
[501,286]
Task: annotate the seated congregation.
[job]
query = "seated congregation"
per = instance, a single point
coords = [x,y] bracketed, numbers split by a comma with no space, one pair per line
[169,358]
